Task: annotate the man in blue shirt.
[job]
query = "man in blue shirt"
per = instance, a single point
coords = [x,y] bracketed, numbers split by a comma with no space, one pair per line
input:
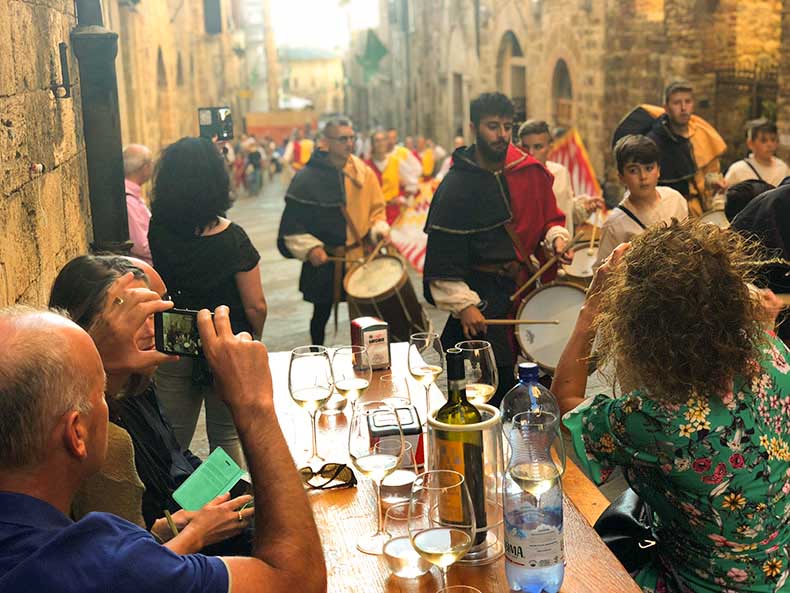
[53,434]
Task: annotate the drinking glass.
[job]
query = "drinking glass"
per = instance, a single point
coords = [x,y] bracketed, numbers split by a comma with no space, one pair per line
[482,378]
[441,518]
[459,589]
[370,422]
[401,557]
[392,385]
[310,384]
[352,371]
[396,487]
[426,361]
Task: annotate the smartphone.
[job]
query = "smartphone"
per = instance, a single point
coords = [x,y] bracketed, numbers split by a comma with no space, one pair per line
[177,333]
[215,122]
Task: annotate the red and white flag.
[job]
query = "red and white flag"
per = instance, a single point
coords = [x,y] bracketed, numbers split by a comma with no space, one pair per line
[569,151]
[407,231]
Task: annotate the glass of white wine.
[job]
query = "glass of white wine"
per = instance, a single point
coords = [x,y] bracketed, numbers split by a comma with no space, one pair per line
[481,375]
[426,361]
[310,385]
[374,461]
[441,518]
[352,371]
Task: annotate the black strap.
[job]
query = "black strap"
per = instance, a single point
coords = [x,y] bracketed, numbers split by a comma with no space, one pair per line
[632,216]
[756,172]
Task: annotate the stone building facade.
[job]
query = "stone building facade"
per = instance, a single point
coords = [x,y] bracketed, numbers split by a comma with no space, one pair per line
[581,63]
[315,75]
[168,65]
[45,214]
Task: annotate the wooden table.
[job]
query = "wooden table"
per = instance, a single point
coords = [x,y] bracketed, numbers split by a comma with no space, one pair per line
[345,515]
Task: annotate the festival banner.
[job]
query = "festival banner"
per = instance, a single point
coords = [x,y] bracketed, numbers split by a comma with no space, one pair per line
[569,151]
[407,231]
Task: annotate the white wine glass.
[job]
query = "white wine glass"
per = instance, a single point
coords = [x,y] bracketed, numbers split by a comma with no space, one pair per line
[401,557]
[352,371]
[441,518]
[371,421]
[480,372]
[310,384]
[426,361]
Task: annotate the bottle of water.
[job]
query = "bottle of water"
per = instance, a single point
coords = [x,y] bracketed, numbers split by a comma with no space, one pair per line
[528,394]
[532,493]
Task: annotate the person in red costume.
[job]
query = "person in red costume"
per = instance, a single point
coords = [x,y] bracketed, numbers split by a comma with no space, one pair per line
[493,210]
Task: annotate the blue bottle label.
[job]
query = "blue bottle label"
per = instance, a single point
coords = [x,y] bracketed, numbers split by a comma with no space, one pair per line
[536,548]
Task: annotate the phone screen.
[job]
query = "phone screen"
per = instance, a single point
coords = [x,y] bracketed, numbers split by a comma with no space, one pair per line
[177,333]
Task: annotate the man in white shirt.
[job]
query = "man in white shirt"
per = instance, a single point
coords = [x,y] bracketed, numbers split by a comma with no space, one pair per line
[644,204]
[761,163]
[138,166]
[536,140]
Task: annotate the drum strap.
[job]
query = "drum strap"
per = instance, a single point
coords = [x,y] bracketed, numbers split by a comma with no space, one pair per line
[518,246]
[752,167]
[632,216]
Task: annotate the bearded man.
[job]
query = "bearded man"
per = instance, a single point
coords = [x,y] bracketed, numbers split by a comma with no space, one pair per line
[488,217]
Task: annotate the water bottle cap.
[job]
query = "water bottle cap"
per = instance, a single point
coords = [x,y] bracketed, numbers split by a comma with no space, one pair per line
[528,371]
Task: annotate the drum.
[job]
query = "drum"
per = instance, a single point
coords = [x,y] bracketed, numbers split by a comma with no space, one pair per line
[716,217]
[543,344]
[580,270]
[381,288]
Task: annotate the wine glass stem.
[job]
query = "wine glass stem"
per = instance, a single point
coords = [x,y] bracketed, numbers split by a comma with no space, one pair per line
[443,575]
[379,525]
[313,416]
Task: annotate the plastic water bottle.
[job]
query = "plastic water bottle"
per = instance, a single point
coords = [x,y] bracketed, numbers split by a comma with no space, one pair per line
[527,394]
[532,502]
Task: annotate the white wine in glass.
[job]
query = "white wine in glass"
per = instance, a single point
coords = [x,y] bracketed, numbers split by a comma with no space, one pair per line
[441,518]
[480,370]
[352,371]
[310,386]
[426,361]
[372,460]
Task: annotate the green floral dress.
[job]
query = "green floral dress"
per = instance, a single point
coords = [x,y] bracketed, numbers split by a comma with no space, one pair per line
[716,473]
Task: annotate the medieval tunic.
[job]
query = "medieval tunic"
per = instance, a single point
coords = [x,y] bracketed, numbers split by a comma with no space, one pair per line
[467,231]
[313,217]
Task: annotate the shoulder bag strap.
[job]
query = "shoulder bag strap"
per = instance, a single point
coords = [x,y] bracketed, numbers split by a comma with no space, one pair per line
[753,168]
[632,216]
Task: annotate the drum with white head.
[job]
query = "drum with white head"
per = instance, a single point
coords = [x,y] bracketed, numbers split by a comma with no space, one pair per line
[716,217]
[544,343]
[580,270]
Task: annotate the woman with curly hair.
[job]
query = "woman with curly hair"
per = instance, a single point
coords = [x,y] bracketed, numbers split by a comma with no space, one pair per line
[701,430]
[206,261]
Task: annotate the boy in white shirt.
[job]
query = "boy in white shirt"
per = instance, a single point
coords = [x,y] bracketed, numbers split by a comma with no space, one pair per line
[762,140]
[644,203]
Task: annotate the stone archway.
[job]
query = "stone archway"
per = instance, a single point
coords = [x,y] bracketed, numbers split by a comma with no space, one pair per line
[562,95]
[511,73]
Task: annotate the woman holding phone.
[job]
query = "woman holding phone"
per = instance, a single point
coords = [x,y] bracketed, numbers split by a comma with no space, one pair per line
[206,261]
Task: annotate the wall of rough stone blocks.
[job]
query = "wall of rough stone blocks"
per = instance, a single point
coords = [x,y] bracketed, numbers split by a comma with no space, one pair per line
[44,218]
[783,103]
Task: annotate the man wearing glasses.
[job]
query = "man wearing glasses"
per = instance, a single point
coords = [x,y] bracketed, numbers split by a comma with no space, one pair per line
[332,208]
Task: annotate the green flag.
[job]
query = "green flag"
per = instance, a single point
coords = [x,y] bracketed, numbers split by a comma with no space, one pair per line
[374,52]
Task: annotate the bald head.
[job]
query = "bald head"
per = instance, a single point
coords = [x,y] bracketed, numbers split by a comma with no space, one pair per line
[155,281]
[138,163]
[48,367]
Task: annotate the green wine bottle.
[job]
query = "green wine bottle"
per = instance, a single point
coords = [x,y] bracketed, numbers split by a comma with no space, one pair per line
[462,451]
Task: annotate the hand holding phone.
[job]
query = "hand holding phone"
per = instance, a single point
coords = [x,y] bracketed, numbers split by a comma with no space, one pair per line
[177,333]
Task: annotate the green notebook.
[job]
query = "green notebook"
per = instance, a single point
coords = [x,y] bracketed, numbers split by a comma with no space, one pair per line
[215,476]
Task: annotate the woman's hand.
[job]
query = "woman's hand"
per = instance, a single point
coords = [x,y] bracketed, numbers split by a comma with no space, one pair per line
[771,304]
[602,276]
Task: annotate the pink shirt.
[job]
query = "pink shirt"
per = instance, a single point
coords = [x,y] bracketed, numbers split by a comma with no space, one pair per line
[139,217]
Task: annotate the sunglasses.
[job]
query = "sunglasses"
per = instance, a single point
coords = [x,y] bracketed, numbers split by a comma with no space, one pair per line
[329,473]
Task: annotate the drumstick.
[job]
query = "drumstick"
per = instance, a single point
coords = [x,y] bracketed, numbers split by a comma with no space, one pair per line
[374,252]
[522,322]
[545,267]
[590,250]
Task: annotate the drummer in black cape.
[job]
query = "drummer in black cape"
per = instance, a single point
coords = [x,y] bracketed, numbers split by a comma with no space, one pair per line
[489,215]
[333,207]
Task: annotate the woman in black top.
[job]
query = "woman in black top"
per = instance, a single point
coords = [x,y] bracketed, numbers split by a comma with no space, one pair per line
[206,261]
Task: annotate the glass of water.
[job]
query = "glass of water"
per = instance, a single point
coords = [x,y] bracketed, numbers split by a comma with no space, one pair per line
[396,487]
[401,557]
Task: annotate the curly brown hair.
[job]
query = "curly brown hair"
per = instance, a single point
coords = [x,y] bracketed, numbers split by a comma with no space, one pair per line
[677,318]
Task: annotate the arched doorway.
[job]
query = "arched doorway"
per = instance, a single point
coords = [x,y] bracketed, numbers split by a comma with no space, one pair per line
[562,95]
[511,74]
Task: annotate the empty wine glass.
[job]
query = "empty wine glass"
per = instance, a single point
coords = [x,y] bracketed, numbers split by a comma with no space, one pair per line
[310,385]
[370,422]
[481,375]
[426,361]
[441,518]
[352,371]
[401,557]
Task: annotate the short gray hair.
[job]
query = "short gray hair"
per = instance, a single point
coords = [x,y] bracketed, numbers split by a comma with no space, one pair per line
[38,384]
[135,157]
[334,123]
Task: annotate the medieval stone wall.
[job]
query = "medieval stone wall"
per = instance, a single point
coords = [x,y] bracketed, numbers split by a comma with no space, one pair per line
[783,102]
[44,217]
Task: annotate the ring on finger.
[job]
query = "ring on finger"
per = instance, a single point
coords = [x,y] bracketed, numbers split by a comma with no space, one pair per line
[117,301]
[241,518]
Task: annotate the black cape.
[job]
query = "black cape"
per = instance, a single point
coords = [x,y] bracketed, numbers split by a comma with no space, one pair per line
[312,205]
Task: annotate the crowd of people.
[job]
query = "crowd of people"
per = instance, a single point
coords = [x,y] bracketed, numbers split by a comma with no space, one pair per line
[96,424]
